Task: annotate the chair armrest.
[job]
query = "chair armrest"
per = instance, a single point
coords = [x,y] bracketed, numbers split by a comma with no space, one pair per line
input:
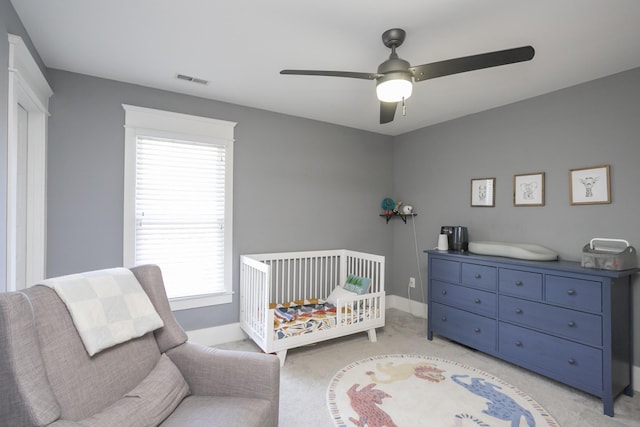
[216,372]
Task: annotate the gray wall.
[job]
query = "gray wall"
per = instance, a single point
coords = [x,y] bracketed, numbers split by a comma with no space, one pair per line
[591,124]
[298,184]
[9,24]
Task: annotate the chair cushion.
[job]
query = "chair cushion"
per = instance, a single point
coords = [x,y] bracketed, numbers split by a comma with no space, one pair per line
[212,411]
[148,404]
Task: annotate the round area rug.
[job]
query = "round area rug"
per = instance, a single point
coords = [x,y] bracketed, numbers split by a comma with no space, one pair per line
[409,390]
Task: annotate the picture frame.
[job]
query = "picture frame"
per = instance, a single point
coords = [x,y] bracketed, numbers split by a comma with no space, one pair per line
[528,189]
[483,192]
[590,185]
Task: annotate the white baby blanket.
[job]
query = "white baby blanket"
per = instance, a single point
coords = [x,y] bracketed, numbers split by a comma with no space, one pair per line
[108,307]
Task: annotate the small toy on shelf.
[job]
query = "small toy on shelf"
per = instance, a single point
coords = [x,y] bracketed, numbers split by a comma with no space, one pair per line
[388,205]
[406,210]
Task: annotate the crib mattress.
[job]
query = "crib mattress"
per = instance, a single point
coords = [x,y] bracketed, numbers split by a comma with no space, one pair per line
[295,320]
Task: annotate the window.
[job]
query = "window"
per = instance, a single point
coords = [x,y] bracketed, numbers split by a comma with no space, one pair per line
[178,199]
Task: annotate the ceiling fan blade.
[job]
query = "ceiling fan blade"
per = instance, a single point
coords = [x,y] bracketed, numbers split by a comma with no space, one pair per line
[387,111]
[473,62]
[351,74]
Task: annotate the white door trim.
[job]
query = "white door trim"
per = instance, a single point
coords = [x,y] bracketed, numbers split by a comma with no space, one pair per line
[29,89]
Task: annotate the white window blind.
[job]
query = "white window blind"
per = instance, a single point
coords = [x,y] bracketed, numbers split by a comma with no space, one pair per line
[178,199]
[180,207]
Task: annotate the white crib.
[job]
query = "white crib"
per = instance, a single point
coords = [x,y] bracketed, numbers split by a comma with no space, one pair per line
[267,279]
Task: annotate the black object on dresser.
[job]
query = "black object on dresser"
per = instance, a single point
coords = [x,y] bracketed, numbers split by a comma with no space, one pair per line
[556,318]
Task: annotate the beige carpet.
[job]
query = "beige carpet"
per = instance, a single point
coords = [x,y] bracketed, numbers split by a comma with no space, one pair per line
[308,371]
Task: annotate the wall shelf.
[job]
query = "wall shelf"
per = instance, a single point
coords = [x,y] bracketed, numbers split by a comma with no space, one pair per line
[401,216]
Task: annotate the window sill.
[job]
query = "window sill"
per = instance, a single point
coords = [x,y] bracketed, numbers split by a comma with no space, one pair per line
[200,301]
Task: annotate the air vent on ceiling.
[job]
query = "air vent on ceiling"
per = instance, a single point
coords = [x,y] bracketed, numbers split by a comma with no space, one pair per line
[192,79]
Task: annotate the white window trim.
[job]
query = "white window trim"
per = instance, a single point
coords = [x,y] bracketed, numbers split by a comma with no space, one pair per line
[151,122]
[28,88]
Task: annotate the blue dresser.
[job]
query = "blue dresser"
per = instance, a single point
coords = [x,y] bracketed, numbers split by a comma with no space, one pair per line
[556,318]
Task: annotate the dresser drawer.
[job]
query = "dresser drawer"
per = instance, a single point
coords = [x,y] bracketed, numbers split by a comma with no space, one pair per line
[574,293]
[520,283]
[467,328]
[575,364]
[479,276]
[445,270]
[575,325]
[475,300]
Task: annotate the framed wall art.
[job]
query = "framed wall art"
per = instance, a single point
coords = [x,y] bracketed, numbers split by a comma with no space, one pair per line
[590,186]
[528,189]
[483,192]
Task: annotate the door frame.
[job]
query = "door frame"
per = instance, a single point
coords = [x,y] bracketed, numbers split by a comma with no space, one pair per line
[28,88]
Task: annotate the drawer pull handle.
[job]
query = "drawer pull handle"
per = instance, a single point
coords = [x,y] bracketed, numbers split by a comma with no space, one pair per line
[477,276]
[477,300]
[518,311]
[444,318]
[571,292]
[518,283]
[518,343]
[477,330]
[571,324]
[571,361]
[444,292]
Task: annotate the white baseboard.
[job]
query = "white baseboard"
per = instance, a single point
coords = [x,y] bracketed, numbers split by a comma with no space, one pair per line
[217,335]
[415,308]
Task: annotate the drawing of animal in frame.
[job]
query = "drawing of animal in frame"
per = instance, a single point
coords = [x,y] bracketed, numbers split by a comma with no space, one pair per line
[590,186]
[528,189]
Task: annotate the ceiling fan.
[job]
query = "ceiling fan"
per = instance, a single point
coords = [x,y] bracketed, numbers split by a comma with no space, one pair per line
[395,75]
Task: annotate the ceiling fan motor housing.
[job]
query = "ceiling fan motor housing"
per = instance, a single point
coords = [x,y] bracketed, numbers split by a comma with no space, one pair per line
[394,64]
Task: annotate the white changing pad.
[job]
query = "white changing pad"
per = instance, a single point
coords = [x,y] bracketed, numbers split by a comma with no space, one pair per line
[513,250]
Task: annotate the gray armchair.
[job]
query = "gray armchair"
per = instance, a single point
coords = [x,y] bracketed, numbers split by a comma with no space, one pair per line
[48,379]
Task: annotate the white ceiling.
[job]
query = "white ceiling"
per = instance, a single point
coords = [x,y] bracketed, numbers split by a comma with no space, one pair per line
[240,46]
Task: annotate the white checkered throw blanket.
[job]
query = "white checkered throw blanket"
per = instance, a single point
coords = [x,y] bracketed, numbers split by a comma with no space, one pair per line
[108,307]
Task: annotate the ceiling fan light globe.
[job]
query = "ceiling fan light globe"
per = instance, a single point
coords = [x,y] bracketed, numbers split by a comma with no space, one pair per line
[394,90]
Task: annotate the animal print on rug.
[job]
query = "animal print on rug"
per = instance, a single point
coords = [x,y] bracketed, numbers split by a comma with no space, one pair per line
[408,390]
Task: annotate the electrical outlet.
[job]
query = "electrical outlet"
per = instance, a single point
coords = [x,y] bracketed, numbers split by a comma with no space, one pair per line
[412,282]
